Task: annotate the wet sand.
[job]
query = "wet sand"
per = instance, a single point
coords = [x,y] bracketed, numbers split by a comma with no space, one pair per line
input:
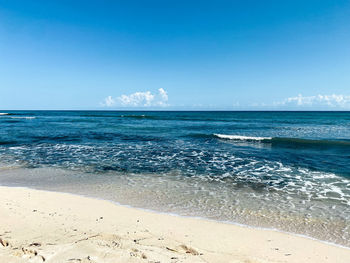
[42,226]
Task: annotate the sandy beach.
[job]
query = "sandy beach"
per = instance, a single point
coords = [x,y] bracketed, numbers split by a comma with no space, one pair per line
[41,226]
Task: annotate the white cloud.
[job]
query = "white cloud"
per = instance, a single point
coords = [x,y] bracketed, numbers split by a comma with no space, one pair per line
[334,100]
[139,99]
[163,94]
[108,102]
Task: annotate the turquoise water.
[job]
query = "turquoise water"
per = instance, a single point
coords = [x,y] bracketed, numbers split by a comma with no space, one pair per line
[285,170]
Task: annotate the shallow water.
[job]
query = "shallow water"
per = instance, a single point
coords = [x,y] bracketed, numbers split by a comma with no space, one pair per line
[285,170]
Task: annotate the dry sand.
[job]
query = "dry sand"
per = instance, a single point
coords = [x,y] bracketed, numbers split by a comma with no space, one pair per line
[40,226]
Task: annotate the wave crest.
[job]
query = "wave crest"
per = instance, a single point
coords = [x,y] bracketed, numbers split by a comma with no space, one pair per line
[288,142]
[241,138]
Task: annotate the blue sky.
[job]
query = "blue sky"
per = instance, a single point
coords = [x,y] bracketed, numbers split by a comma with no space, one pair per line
[234,55]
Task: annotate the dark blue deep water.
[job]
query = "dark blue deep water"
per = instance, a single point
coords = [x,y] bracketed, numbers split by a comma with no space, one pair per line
[221,165]
[189,141]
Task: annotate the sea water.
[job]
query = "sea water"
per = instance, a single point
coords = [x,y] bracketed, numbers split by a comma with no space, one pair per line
[283,170]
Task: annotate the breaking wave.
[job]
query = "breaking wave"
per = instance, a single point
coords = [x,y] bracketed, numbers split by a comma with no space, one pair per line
[287,142]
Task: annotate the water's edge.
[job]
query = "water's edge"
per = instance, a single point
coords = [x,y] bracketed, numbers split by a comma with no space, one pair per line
[182,216]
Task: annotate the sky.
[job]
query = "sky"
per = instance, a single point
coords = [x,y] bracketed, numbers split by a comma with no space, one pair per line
[175,55]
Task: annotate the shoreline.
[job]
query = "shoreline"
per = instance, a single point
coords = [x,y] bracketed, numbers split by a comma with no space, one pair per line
[106,231]
[118,190]
[193,217]
[268,228]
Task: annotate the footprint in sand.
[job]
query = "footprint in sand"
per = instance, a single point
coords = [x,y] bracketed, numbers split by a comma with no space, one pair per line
[104,240]
[4,243]
[32,253]
[35,244]
[186,249]
[81,260]
[189,250]
[137,253]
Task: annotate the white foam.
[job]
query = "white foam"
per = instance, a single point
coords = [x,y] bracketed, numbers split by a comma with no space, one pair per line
[28,118]
[241,138]
[3,113]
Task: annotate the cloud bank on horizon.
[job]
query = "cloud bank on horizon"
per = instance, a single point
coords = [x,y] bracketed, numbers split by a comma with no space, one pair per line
[147,99]
[327,101]
[138,99]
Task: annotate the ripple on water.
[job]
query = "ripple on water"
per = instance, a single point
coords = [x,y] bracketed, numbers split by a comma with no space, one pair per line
[314,213]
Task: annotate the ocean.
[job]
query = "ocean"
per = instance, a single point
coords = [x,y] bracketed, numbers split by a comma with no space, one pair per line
[288,171]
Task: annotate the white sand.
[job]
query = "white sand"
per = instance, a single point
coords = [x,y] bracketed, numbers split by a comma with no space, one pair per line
[39,226]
